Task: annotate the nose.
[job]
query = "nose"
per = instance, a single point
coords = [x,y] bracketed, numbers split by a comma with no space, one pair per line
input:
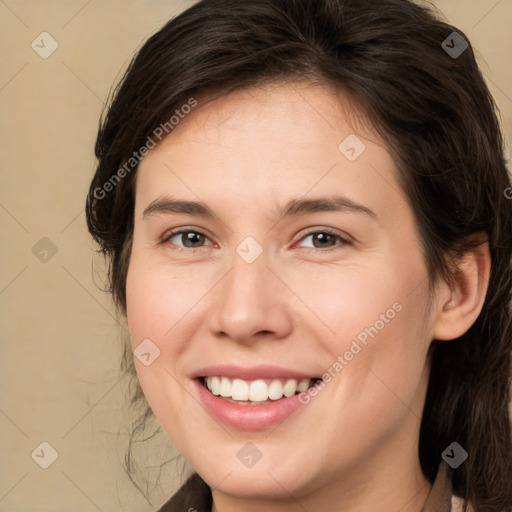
[250,303]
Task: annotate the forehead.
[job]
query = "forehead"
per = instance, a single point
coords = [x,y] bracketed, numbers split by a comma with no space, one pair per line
[272,141]
[310,111]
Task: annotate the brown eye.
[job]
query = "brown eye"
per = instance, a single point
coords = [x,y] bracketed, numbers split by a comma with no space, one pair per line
[190,239]
[325,239]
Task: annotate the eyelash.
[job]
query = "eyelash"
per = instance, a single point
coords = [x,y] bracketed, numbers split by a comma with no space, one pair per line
[343,241]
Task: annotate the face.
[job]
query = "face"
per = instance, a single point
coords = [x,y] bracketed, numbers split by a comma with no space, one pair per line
[301,261]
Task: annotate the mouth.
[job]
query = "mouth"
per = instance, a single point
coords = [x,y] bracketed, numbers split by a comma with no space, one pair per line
[255,392]
[254,398]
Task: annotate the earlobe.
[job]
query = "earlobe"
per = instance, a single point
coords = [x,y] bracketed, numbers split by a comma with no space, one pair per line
[466,295]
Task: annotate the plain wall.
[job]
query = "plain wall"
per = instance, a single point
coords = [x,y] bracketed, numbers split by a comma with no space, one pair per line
[61,344]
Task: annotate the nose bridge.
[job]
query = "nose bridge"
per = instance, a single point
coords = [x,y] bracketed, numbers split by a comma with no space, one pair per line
[247,302]
[249,270]
[247,290]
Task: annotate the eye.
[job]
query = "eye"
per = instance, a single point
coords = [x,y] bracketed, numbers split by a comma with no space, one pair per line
[325,239]
[191,239]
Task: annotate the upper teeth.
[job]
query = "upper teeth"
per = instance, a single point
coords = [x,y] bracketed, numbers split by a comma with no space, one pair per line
[256,390]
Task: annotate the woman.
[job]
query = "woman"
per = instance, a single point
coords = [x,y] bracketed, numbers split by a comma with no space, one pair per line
[304,205]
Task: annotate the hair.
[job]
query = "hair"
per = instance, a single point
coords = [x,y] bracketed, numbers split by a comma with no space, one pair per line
[441,127]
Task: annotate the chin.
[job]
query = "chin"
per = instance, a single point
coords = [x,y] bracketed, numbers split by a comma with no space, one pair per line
[265,480]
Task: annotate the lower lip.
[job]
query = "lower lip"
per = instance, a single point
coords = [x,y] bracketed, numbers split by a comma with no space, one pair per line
[247,417]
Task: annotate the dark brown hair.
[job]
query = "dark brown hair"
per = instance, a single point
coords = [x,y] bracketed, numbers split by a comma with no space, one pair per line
[440,124]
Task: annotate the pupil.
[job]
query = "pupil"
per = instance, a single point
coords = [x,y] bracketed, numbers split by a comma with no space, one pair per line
[324,237]
[190,237]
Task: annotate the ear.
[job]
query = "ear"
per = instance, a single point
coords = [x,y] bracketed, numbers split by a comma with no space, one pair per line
[460,303]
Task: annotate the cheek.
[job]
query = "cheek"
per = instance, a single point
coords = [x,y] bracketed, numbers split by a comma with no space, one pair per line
[162,306]
[157,300]
[379,380]
[378,336]
[347,300]
[381,373]
[149,307]
[153,309]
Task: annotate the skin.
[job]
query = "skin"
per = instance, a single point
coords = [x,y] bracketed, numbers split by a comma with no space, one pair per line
[297,305]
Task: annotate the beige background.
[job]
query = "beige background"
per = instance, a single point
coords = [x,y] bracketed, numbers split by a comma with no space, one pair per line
[60,342]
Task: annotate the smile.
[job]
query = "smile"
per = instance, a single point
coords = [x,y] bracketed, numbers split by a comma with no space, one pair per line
[256,392]
[251,398]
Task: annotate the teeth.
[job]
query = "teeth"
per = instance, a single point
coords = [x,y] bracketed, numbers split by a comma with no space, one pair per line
[290,387]
[215,383]
[239,390]
[275,390]
[224,388]
[303,385]
[256,390]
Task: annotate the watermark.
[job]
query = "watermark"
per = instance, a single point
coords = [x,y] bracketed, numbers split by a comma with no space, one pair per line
[249,249]
[354,349]
[249,455]
[454,45]
[508,192]
[135,159]
[454,455]
[351,147]
[44,250]
[44,455]
[44,45]
[146,352]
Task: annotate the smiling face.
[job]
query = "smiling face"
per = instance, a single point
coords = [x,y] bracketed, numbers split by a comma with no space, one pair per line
[301,261]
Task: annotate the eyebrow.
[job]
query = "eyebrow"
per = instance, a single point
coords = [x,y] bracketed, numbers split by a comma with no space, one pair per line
[294,207]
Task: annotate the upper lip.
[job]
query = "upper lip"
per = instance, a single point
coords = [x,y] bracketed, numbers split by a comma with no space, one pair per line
[250,373]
